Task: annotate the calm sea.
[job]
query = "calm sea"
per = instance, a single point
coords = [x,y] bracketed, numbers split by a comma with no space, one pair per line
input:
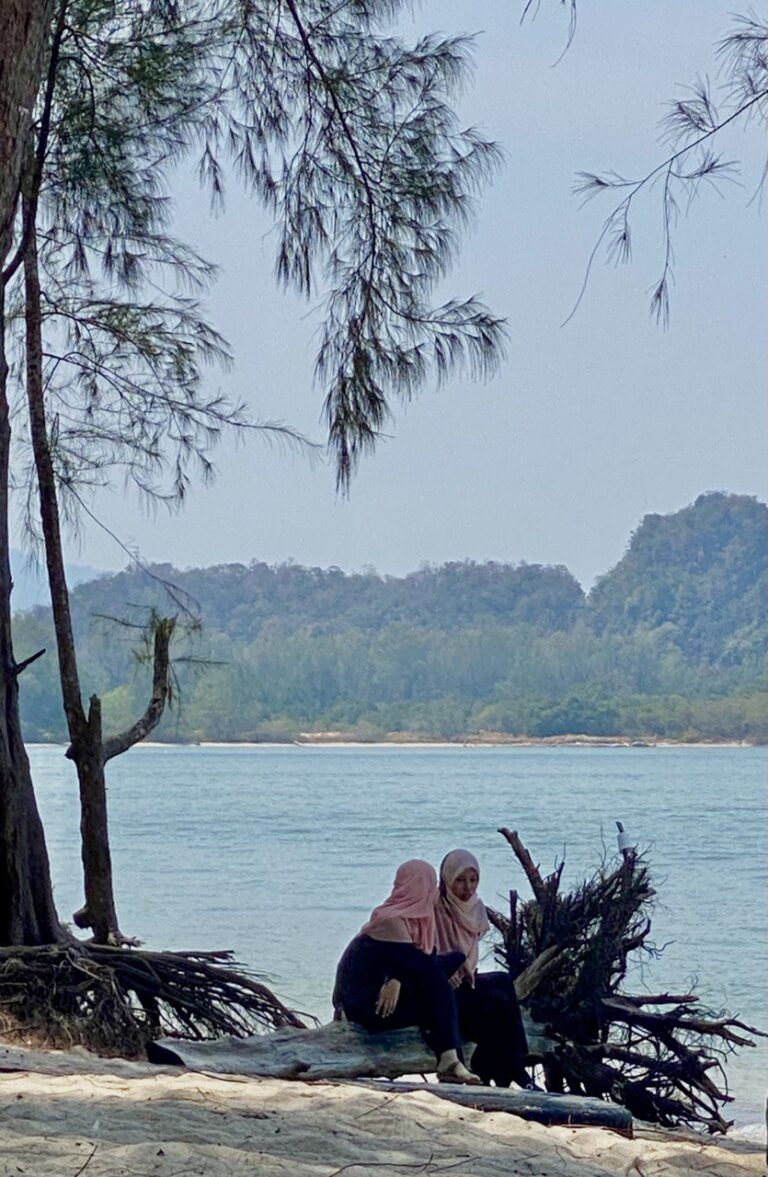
[280,853]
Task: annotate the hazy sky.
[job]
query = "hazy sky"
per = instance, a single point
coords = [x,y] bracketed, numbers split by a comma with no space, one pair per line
[587,427]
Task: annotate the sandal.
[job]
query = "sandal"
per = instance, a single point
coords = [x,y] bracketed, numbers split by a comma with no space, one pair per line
[458,1073]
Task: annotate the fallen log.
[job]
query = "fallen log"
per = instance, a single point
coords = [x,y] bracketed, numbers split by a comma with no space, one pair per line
[574,1111]
[343,1052]
[338,1050]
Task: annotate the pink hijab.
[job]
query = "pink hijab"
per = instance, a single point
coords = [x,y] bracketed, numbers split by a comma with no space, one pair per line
[413,897]
[460,924]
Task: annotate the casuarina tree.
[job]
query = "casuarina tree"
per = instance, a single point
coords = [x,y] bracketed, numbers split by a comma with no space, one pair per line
[345,133]
[27,913]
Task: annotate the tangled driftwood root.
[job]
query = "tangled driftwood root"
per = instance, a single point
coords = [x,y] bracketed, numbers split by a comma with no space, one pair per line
[660,1055]
[114,1000]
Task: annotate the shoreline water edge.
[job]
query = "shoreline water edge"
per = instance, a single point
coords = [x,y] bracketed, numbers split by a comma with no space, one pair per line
[340,739]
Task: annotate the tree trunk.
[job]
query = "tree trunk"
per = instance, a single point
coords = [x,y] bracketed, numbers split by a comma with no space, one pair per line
[27,911]
[24,26]
[84,731]
[99,912]
[88,748]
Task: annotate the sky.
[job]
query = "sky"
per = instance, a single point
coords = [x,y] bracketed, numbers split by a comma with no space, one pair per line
[587,427]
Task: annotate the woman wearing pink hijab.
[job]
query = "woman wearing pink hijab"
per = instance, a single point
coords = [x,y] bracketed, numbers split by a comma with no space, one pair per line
[489,1014]
[390,977]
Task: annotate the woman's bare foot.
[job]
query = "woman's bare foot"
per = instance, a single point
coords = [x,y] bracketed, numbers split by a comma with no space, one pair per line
[456,1072]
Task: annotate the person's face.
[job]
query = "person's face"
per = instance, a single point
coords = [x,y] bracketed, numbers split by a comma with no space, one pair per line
[465,884]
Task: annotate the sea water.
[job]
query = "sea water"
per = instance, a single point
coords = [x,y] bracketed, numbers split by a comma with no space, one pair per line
[279,853]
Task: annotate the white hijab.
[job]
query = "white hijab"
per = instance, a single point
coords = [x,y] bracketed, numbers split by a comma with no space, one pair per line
[460,924]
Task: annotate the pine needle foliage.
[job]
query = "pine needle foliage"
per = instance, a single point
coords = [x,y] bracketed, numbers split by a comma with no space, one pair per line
[347,135]
[693,129]
[128,349]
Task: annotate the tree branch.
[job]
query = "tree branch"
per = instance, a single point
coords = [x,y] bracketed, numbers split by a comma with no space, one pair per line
[538,886]
[161,690]
[27,662]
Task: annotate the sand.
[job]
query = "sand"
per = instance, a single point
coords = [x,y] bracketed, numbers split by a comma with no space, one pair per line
[130,1120]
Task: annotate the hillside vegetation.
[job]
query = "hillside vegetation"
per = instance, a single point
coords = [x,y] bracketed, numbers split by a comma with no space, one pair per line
[670,643]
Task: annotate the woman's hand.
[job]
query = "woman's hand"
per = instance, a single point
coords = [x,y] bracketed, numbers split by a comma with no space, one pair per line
[389,995]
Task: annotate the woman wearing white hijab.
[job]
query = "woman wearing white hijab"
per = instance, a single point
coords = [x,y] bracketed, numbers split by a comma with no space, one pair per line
[460,916]
[488,1010]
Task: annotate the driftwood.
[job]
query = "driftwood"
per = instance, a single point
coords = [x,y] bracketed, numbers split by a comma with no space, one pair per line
[341,1051]
[573,1111]
[338,1050]
[114,1000]
[74,1061]
[660,1055]
[529,1105]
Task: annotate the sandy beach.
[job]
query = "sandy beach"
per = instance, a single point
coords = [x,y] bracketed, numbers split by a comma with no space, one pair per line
[132,1120]
[489,740]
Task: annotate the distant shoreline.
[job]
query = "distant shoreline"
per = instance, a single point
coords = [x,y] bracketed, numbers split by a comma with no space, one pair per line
[500,739]
[487,740]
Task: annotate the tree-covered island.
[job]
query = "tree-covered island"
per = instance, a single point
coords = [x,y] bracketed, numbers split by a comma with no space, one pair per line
[669,644]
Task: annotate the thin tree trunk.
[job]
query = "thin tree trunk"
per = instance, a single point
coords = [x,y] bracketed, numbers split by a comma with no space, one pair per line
[88,749]
[27,911]
[99,912]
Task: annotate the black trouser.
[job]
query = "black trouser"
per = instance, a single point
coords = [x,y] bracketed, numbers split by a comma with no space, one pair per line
[489,1015]
[426,1000]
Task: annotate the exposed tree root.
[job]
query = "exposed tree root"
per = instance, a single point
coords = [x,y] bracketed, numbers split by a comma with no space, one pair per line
[114,1000]
[660,1055]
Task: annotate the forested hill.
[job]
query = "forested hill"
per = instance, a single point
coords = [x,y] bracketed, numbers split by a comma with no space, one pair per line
[243,601]
[671,642]
[701,572]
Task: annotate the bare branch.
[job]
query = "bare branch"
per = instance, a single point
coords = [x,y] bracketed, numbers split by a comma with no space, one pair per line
[161,688]
[20,666]
[691,124]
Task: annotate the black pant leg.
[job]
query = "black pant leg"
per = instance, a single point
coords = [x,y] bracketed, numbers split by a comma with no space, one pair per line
[489,1015]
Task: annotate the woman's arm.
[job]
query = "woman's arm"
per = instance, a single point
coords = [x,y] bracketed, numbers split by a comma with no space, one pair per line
[392,932]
